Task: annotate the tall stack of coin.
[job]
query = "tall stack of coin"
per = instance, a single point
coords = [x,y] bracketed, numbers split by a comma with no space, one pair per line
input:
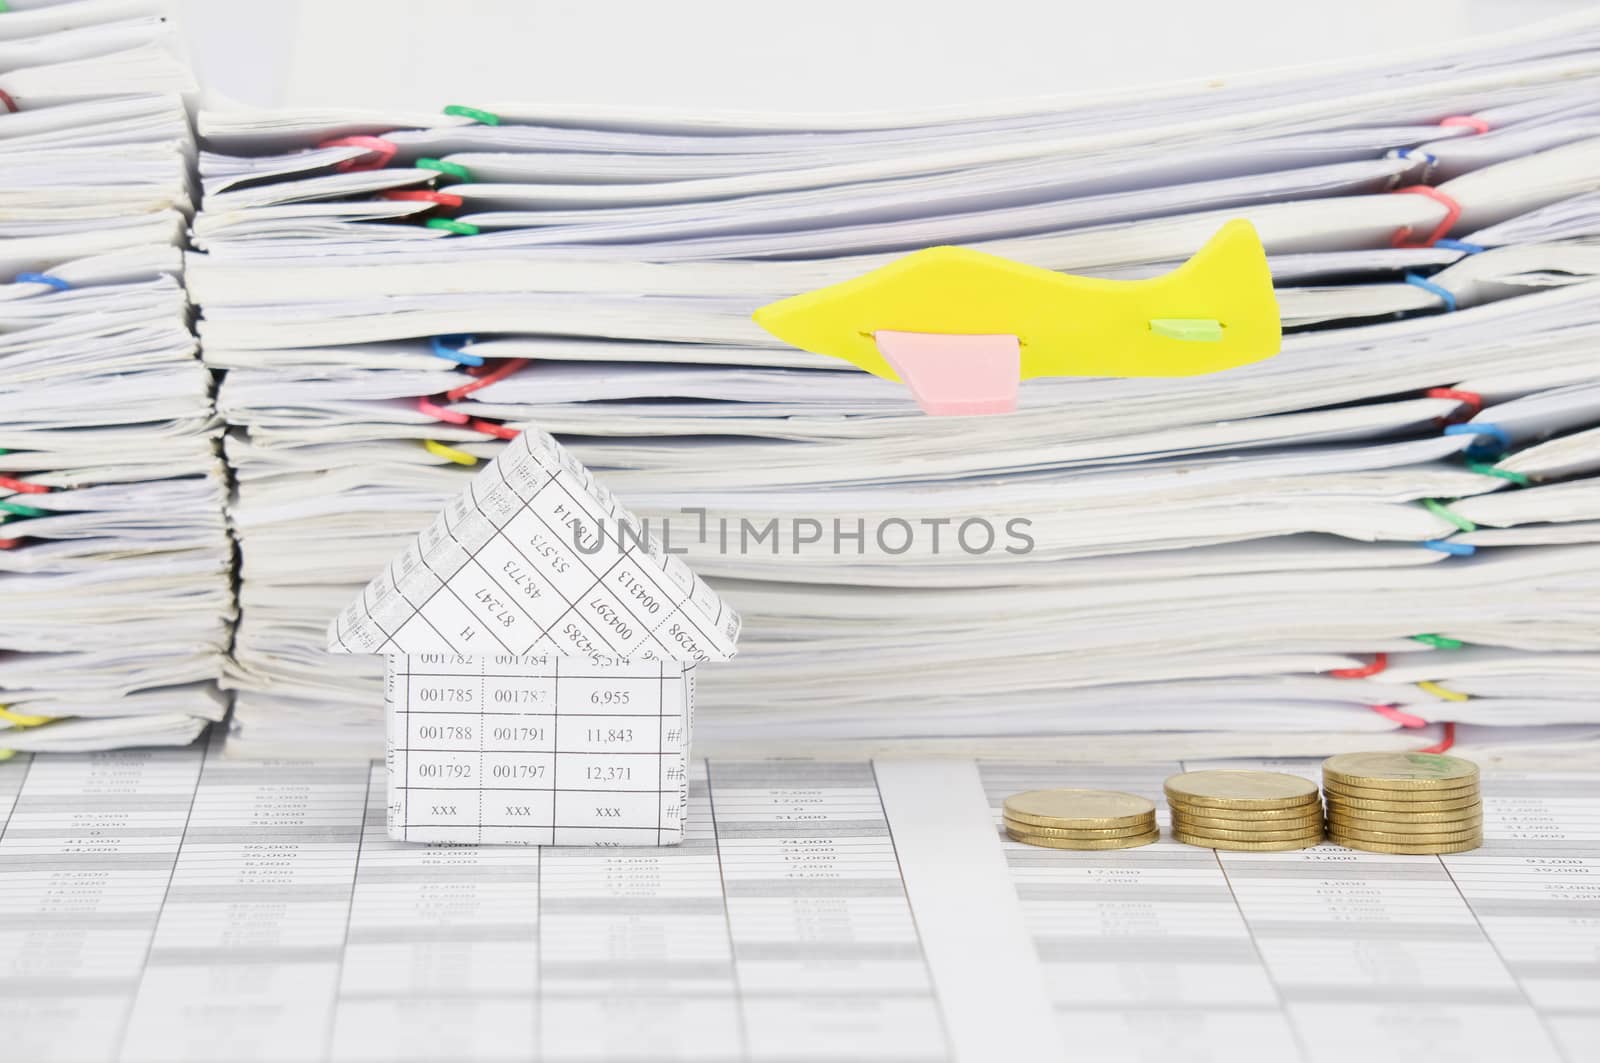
[1081,819]
[1251,811]
[1403,802]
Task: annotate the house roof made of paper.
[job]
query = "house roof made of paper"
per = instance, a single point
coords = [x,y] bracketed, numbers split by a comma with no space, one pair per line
[536,557]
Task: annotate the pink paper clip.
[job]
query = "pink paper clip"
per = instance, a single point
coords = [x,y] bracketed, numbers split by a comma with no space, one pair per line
[1380,661]
[379,152]
[499,431]
[1404,719]
[23,487]
[1444,744]
[1452,214]
[439,413]
[1472,122]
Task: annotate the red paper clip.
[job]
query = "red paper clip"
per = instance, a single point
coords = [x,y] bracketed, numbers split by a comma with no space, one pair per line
[444,199]
[511,366]
[439,413]
[1452,214]
[379,152]
[7,544]
[11,104]
[1444,744]
[23,487]
[1379,663]
[499,431]
[1472,404]
[1393,712]
[1472,122]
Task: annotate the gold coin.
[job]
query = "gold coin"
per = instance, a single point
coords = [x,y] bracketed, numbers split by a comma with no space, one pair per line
[1240,789]
[1431,849]
[1403,838]
[1247,835]
[1399,771]
[1309,816]
[1367,793]
[1079,808]
[1073,832]
[1305,810]
[1338,799]
[1085,843]
[1244,847]
[1422,823]
[1425,832]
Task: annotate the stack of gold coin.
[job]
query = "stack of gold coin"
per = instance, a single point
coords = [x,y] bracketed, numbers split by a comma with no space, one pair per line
[1403,802]
[1249,811]
[1081,819]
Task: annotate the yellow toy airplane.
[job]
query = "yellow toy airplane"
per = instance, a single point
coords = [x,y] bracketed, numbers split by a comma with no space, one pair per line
[961,328]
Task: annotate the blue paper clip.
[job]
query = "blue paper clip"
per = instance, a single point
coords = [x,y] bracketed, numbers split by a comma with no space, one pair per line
[1460,245]
[443,349]
[1437,289]
[43,278]
[1445,546]
[1481,428]
[1428,157]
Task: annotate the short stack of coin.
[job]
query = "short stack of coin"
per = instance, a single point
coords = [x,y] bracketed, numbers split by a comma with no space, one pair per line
[1081,819]
[1246,811]
[1403,802]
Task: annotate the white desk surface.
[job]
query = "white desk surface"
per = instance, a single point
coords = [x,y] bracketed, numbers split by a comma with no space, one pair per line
[178,905]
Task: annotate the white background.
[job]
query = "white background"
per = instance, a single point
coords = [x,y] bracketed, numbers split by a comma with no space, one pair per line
[823,55]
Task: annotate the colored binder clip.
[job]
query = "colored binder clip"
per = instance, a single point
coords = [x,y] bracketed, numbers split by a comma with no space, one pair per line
[961,328]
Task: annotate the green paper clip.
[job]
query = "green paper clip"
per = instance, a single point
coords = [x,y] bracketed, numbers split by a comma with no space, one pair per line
[1438,642]
[1189,329]
[1439,509]
[1485,469]
[21,510]
[453,169]
[460,228]
[485,117]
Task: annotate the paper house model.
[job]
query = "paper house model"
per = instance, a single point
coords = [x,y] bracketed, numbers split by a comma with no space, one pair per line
[540,651]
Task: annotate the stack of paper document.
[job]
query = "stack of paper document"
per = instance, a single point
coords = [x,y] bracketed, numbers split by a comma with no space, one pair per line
[1272,559]
[114,555]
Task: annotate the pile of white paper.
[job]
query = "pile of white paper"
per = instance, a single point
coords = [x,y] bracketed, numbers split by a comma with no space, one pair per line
[115,566]
[1122,568]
